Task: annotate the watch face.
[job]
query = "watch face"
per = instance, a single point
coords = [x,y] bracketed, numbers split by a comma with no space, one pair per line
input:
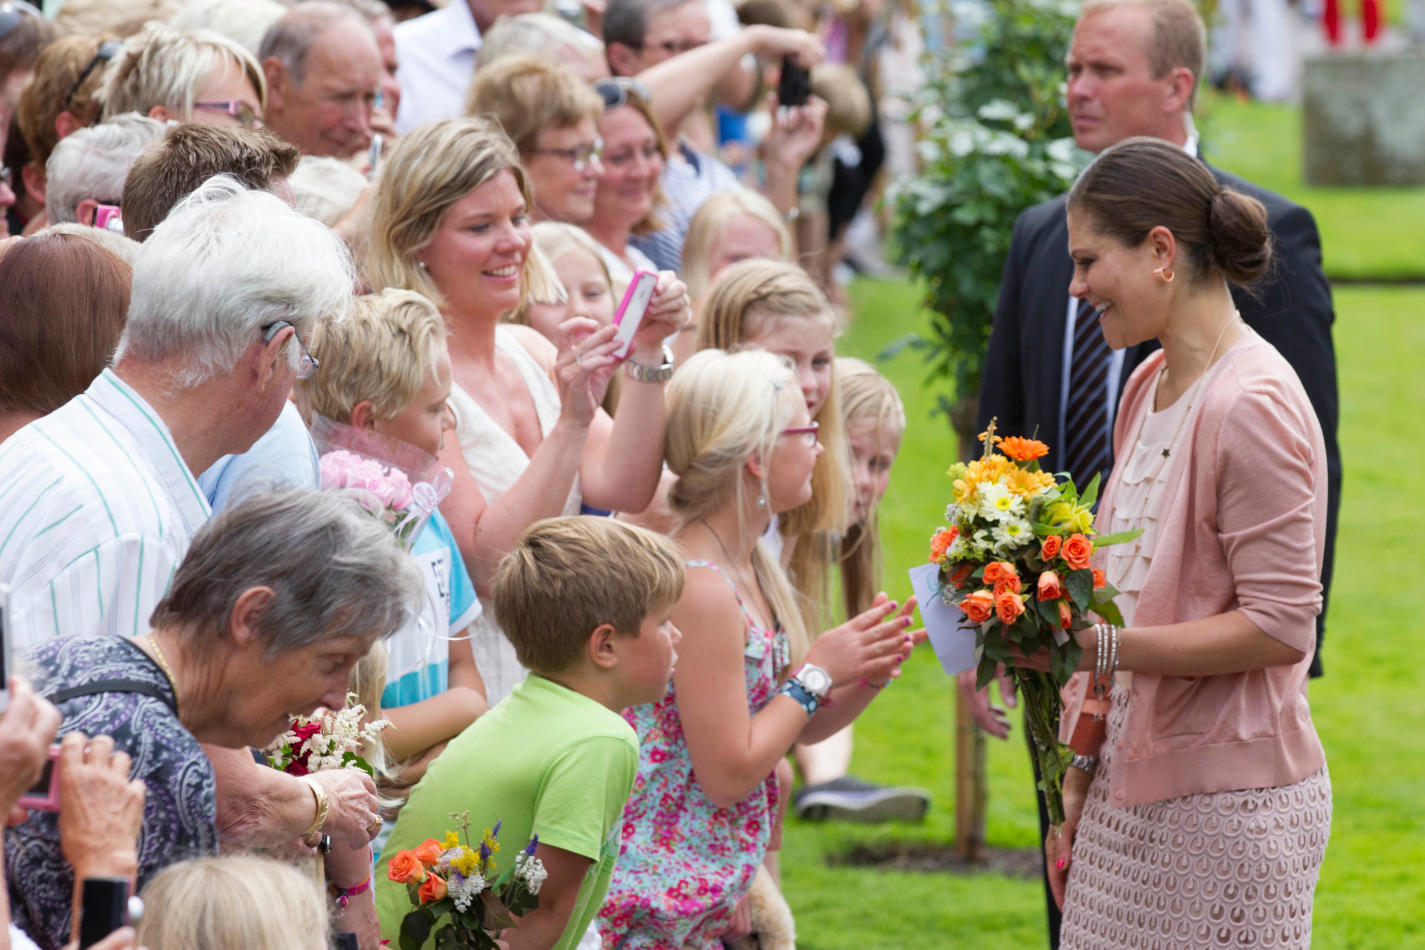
[816,680]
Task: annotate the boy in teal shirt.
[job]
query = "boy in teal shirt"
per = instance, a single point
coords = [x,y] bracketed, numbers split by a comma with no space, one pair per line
[586,603]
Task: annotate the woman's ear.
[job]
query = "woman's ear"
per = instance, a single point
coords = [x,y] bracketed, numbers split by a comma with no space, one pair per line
[755,468]
[1164,246]
[246,614]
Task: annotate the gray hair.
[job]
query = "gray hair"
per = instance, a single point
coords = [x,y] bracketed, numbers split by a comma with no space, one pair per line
[325,188]
[94,162]
[626,21]
[224,263]
[335,571]
[537,34]
[244,22]
[161,66]
[290,39]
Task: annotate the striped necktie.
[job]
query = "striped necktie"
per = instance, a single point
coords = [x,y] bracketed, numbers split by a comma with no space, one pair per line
[1087,446]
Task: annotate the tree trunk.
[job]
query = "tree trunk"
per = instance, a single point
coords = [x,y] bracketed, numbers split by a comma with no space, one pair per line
[971,785]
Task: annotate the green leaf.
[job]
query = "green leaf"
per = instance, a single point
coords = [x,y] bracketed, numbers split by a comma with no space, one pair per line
[1109,611]
[1117,537]
[1048,611]
[985,674]
[415,929]
[1089,495]
[1079,585]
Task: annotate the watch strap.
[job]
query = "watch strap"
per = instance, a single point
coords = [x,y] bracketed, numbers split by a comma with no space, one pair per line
[793,687]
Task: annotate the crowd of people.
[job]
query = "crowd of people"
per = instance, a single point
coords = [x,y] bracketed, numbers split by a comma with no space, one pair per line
[246,233]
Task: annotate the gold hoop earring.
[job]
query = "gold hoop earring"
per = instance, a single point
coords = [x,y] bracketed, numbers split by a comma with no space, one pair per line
[1163,274]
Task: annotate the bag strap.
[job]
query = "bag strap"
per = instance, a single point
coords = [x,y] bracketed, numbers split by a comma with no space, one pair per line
[112,686]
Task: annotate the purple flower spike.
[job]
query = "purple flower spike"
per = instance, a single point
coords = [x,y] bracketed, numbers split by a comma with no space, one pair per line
[533,843]
[495,832]
[484,852]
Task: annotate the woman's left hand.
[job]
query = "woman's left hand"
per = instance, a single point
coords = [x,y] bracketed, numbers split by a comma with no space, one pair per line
[1058,845]
[101,808]
[669,310]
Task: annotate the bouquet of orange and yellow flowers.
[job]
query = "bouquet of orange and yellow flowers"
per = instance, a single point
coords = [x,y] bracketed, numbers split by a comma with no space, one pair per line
[1014,557]
[453,879]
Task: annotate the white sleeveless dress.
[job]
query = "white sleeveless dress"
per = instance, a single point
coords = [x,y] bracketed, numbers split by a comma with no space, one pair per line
[496,461]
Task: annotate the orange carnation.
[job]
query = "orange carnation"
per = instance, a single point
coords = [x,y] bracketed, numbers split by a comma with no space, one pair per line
[1021,449]
[1049,587]
[1077,551]
[1050,548]
[997,571]
[432,889]
[1099,581]
[428,851]
[1066,616]
[978,606]
[1008,606]
[405,868]
[941,542]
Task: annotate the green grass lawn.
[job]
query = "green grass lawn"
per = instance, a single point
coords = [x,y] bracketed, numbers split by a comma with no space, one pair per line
[1368,709]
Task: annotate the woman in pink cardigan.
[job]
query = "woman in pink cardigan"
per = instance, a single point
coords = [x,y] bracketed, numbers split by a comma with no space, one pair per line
[1199,805]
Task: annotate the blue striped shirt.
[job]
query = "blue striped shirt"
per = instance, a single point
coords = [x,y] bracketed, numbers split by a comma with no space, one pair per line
[96,511]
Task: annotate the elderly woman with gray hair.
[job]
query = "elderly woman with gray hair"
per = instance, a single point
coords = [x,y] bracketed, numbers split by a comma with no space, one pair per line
[275,602]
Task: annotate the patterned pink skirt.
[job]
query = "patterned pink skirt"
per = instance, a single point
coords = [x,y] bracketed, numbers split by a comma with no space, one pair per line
[1227,869]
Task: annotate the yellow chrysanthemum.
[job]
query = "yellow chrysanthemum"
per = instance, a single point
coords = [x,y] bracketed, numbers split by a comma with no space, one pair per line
[989,469]
[1027,484]
[465,862]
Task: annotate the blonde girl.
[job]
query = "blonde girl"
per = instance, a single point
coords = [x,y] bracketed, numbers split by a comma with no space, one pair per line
[744,448]
[776,306]
[875,421]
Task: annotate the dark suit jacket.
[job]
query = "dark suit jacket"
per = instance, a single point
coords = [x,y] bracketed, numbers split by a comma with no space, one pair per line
[1291,309]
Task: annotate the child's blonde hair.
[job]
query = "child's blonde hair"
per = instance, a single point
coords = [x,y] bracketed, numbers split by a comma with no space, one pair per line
[382,351]
[710,223]
[722,409]
[747,299]
[868,401]
[234,902]
[567,576]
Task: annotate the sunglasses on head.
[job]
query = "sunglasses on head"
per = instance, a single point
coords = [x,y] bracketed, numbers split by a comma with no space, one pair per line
[615,89]
[107,50]
[12,12]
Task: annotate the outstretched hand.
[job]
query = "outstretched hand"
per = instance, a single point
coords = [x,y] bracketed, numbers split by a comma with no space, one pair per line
[989,717]
[584,367]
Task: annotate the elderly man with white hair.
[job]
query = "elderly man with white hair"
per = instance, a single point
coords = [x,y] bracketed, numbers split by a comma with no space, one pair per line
[101,493]
[88,169]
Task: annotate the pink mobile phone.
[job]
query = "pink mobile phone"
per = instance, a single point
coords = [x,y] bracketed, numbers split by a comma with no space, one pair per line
[44,794]
[631,310]
[109,218]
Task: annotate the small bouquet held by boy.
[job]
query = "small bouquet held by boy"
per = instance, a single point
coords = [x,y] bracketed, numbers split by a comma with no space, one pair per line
[447,878]
[395,481]
[1014,559]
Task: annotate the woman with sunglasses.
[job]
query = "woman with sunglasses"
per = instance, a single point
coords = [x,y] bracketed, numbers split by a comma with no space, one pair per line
[450,220]
[627,199]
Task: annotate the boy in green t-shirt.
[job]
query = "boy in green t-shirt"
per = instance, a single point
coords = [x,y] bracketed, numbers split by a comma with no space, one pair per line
[586,603]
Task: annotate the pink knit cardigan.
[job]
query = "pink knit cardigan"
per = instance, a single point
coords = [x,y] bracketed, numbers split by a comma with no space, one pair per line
[1243,528]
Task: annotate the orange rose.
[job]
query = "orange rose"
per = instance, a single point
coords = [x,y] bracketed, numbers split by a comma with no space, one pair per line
[1008,606]
[997,571]
[405,868]
[1099,581]
[1050,548]
[978,606]
[1049,587]
[1066,617]
[432,889]
[1010,584]
[961,572]
[942,541]
[428,851]
[1077,551]
[1021,449]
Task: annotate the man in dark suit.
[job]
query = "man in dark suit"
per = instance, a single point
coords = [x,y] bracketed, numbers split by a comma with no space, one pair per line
[1132,70]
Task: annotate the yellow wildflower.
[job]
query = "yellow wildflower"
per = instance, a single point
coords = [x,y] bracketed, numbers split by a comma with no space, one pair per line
[465,862]
[452,840]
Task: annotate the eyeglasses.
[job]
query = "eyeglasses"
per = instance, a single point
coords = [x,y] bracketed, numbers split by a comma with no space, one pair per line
[615,90]
[807,432]
[12,12]
[107,50]
[581,156]
[308,364]
[245,114]
[7,178]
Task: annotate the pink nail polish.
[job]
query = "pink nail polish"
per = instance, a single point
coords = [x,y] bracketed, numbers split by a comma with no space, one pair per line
[1059,864]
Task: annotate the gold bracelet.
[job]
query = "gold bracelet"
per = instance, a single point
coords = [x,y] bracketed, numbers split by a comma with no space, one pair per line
[323,806]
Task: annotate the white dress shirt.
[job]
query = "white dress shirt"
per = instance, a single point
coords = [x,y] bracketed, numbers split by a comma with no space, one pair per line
[98,510]
[436,53]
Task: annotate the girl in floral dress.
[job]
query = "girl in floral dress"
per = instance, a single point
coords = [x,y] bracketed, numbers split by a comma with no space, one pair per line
[743,447]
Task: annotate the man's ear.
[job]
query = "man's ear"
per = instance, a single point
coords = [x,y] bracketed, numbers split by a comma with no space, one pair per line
[66,124]
[276,75]
[85,211]
[33,175]
[363,415]
[623,59]
[1180,91]
[271,357]
[247,615]
[602,651]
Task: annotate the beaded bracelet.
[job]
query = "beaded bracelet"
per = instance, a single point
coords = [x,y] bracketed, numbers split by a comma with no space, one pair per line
[343,894]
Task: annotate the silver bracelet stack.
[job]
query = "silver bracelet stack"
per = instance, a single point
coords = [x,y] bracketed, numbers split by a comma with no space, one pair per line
[1109,637]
